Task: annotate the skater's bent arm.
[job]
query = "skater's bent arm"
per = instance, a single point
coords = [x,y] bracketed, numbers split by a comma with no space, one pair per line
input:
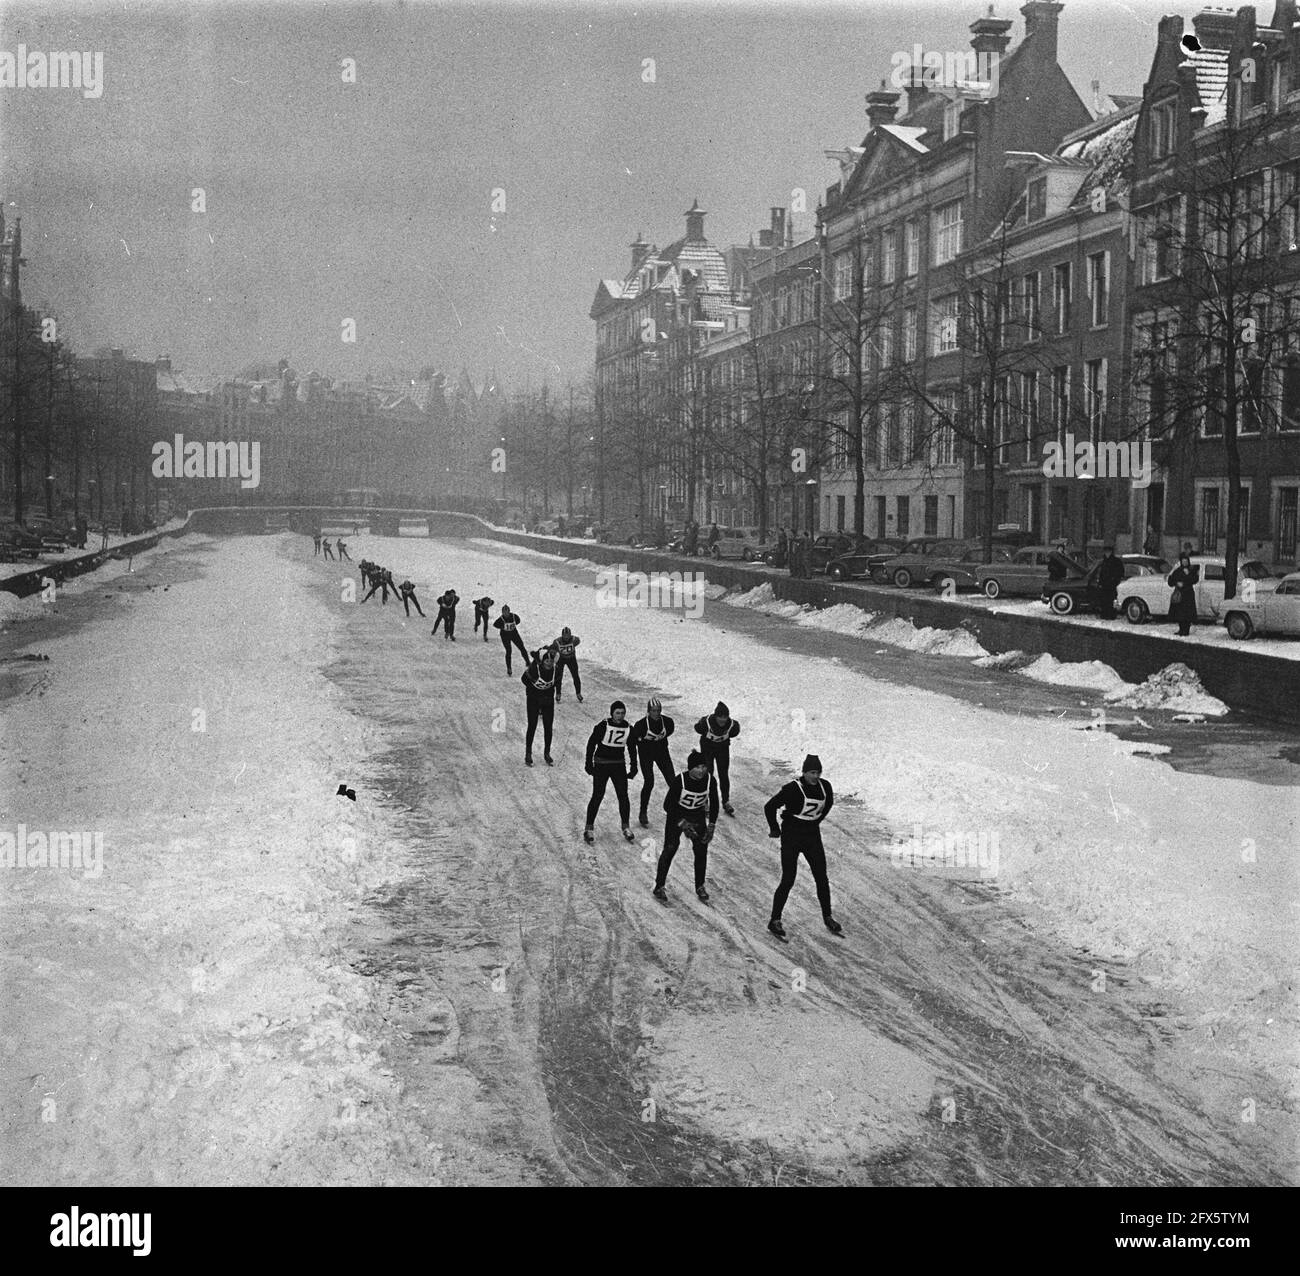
[830,801]
[714,804]
[774,804]
[674,792]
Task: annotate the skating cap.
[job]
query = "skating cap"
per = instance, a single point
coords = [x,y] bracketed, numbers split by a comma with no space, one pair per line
[618,704]
[694,758]
[721,710]
[812,763]
[654,706]
[566,632]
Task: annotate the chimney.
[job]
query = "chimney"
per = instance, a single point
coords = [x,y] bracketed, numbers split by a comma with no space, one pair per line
[989,35]
[778,227]
[765,239]
[1096,97]
[917,90]
[1214,27]
[1040,26]
[163,363]
[640,250]
[882,106]
[695,222]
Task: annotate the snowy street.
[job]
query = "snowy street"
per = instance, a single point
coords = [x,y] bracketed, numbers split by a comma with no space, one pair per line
[440,983]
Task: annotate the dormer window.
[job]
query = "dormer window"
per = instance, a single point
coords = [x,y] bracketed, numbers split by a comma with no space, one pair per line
[952,119]
[1036,200]
[1161,123]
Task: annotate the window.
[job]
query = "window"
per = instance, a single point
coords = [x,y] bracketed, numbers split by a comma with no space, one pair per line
[1003,304]
[943,328]
[1029,413]
[947,235]
[843,276]
[1099,288]
[942,438]
[1161,124]
[909,334]
[952,119]
[1243,518]
[887,341]
[1036,200]
[1159,232]
[1061,296]
[931,516]
[1279,83]
[1094,389]
[1210,528]
[1002,419]
[1060,402]
[1288,505]
[1029,306]
[902,507]
[1255,224]
[1287,185]
[839,513]
[1254,396]
[907,433]
[911,247]
[881,508]
[889,257]
[1215,387]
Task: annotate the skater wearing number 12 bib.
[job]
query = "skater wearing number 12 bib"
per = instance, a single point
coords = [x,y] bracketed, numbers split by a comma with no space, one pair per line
[609,750]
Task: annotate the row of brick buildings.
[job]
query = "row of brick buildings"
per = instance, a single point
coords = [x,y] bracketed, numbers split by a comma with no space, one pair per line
[996,272]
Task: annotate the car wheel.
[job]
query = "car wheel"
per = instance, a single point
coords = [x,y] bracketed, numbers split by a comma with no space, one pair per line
[1239,625]
[991,588]
[1136,612]
[879,576]
[1062,603]
[836,572]
[903,578]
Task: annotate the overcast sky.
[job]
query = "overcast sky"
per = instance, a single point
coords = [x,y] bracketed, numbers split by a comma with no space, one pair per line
[373,200]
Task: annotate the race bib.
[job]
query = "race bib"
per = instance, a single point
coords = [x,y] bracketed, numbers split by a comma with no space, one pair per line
[507,626]
[566,650]
[812,808]
[615,737]
[656,735]
[715,739]
[691,801]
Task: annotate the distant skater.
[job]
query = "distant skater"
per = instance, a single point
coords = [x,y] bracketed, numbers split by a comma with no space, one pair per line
[691,809]
[315,540]
[650,741]
[408,597]
[716,733]
[446,615]
[341,546]
[482,614]
[508,623]
[806,802]
[566,644]
[327,550]
[539,683]
[610,739]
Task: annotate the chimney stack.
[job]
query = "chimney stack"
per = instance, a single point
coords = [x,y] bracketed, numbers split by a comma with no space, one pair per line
[1040,26]
[1214,27]
[695,222]
[778,227]
[882,106]
[163,363]
[989,35]
[640,251]
[765,239]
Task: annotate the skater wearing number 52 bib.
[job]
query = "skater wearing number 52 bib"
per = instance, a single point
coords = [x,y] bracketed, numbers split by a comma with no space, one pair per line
[806,802]
[692,810]
[609,751]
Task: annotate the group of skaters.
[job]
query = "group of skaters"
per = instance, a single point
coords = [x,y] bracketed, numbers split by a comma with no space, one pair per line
[618,750]
[322,546]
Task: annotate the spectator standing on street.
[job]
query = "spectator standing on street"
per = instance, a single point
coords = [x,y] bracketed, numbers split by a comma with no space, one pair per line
[782,547]
[1182,606]
[714,536]
[1110,575]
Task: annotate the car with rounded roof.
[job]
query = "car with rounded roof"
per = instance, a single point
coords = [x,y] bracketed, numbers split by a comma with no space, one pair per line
[1146,596]
[1079,590]
[1272,611]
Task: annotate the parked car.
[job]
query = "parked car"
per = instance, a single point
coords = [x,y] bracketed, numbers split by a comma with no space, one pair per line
[624,531]
[1275,611]
[53,535]
[963,573]
[1021,575]
[1079,591]
[17,542]
[738,542]
[1148,596]
[832,545]
[863,560]
[917,563]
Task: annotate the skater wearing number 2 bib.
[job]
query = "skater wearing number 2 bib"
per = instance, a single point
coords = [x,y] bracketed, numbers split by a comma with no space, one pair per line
[806,802]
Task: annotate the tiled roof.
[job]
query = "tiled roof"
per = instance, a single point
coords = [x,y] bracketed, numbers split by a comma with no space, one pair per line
[1211,81]
[707,261]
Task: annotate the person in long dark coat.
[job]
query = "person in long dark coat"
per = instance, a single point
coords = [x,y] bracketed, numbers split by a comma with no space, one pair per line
[1110,576]
[1182,606]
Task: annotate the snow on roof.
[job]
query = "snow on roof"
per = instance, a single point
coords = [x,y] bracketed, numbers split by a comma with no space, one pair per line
[909,136]
[1211,81]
